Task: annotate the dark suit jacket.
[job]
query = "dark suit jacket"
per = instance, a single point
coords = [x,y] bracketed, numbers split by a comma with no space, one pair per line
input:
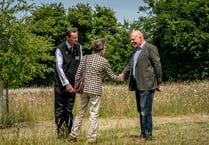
[148,69]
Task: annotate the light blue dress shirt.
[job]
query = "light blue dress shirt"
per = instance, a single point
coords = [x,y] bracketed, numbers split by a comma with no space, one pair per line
[136,55]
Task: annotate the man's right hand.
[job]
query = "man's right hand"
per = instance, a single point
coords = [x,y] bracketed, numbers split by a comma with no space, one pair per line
[69,88]
[158,88]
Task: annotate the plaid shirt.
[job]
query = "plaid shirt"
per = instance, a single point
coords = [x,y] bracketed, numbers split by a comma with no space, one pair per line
[96,67]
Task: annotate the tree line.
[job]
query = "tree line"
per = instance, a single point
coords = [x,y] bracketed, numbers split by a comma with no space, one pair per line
[179,28]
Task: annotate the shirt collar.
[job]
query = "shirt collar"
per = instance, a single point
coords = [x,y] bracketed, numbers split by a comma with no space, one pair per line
[68,45]
[143,44]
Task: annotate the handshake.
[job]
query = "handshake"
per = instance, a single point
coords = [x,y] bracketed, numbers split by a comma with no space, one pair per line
[121,77]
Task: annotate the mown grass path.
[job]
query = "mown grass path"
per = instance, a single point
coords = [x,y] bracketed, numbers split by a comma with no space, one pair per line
[119,122]
[173,130]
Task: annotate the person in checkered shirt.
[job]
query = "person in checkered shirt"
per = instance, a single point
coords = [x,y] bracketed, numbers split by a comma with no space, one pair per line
[96,67]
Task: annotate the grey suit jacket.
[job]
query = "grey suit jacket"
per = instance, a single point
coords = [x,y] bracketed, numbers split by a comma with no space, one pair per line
[96,67]
[148,69]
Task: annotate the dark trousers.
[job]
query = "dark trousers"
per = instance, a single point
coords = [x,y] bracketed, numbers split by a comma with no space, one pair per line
[144,100]
[64,102]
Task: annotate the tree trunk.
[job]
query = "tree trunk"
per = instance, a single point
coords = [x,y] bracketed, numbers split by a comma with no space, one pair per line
[1,98]
[7,99]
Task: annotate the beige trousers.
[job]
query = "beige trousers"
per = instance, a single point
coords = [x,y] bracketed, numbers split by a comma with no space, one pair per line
[94,103]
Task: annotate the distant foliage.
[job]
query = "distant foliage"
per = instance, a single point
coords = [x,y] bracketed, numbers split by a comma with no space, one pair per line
[180,29]
[23,55]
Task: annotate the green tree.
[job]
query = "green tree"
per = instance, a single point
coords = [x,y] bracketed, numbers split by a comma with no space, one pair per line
[99,22]
[180,30]
[105,21]
[21,53]
[81,17]
[49,21]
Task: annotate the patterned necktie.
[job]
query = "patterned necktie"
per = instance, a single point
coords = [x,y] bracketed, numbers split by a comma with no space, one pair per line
[71,49]
[139,48]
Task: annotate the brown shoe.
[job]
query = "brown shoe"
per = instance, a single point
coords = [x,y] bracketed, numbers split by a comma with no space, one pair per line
[140,139]
[71,138]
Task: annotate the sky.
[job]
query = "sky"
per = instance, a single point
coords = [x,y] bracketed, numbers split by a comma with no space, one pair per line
[124,9]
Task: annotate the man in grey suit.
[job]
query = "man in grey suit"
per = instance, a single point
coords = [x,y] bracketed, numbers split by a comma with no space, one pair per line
[145,74]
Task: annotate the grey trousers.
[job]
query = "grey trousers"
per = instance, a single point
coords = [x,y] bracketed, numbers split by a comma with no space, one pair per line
[94,103]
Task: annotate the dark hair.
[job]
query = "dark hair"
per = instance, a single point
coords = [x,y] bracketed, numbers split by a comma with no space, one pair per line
[71,30]
[98,44]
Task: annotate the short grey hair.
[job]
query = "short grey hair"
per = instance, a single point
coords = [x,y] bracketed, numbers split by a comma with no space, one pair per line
[98,44]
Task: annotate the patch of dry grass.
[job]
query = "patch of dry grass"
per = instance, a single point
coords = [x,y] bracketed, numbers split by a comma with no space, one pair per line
[182,98]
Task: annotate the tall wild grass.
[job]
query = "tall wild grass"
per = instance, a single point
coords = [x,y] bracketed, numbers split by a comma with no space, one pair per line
[179,98]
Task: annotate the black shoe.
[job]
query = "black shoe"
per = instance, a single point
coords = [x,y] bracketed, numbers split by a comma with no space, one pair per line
[60,135]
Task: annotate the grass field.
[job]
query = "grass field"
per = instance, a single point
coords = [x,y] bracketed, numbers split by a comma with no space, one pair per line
[178,130]
[180,116]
